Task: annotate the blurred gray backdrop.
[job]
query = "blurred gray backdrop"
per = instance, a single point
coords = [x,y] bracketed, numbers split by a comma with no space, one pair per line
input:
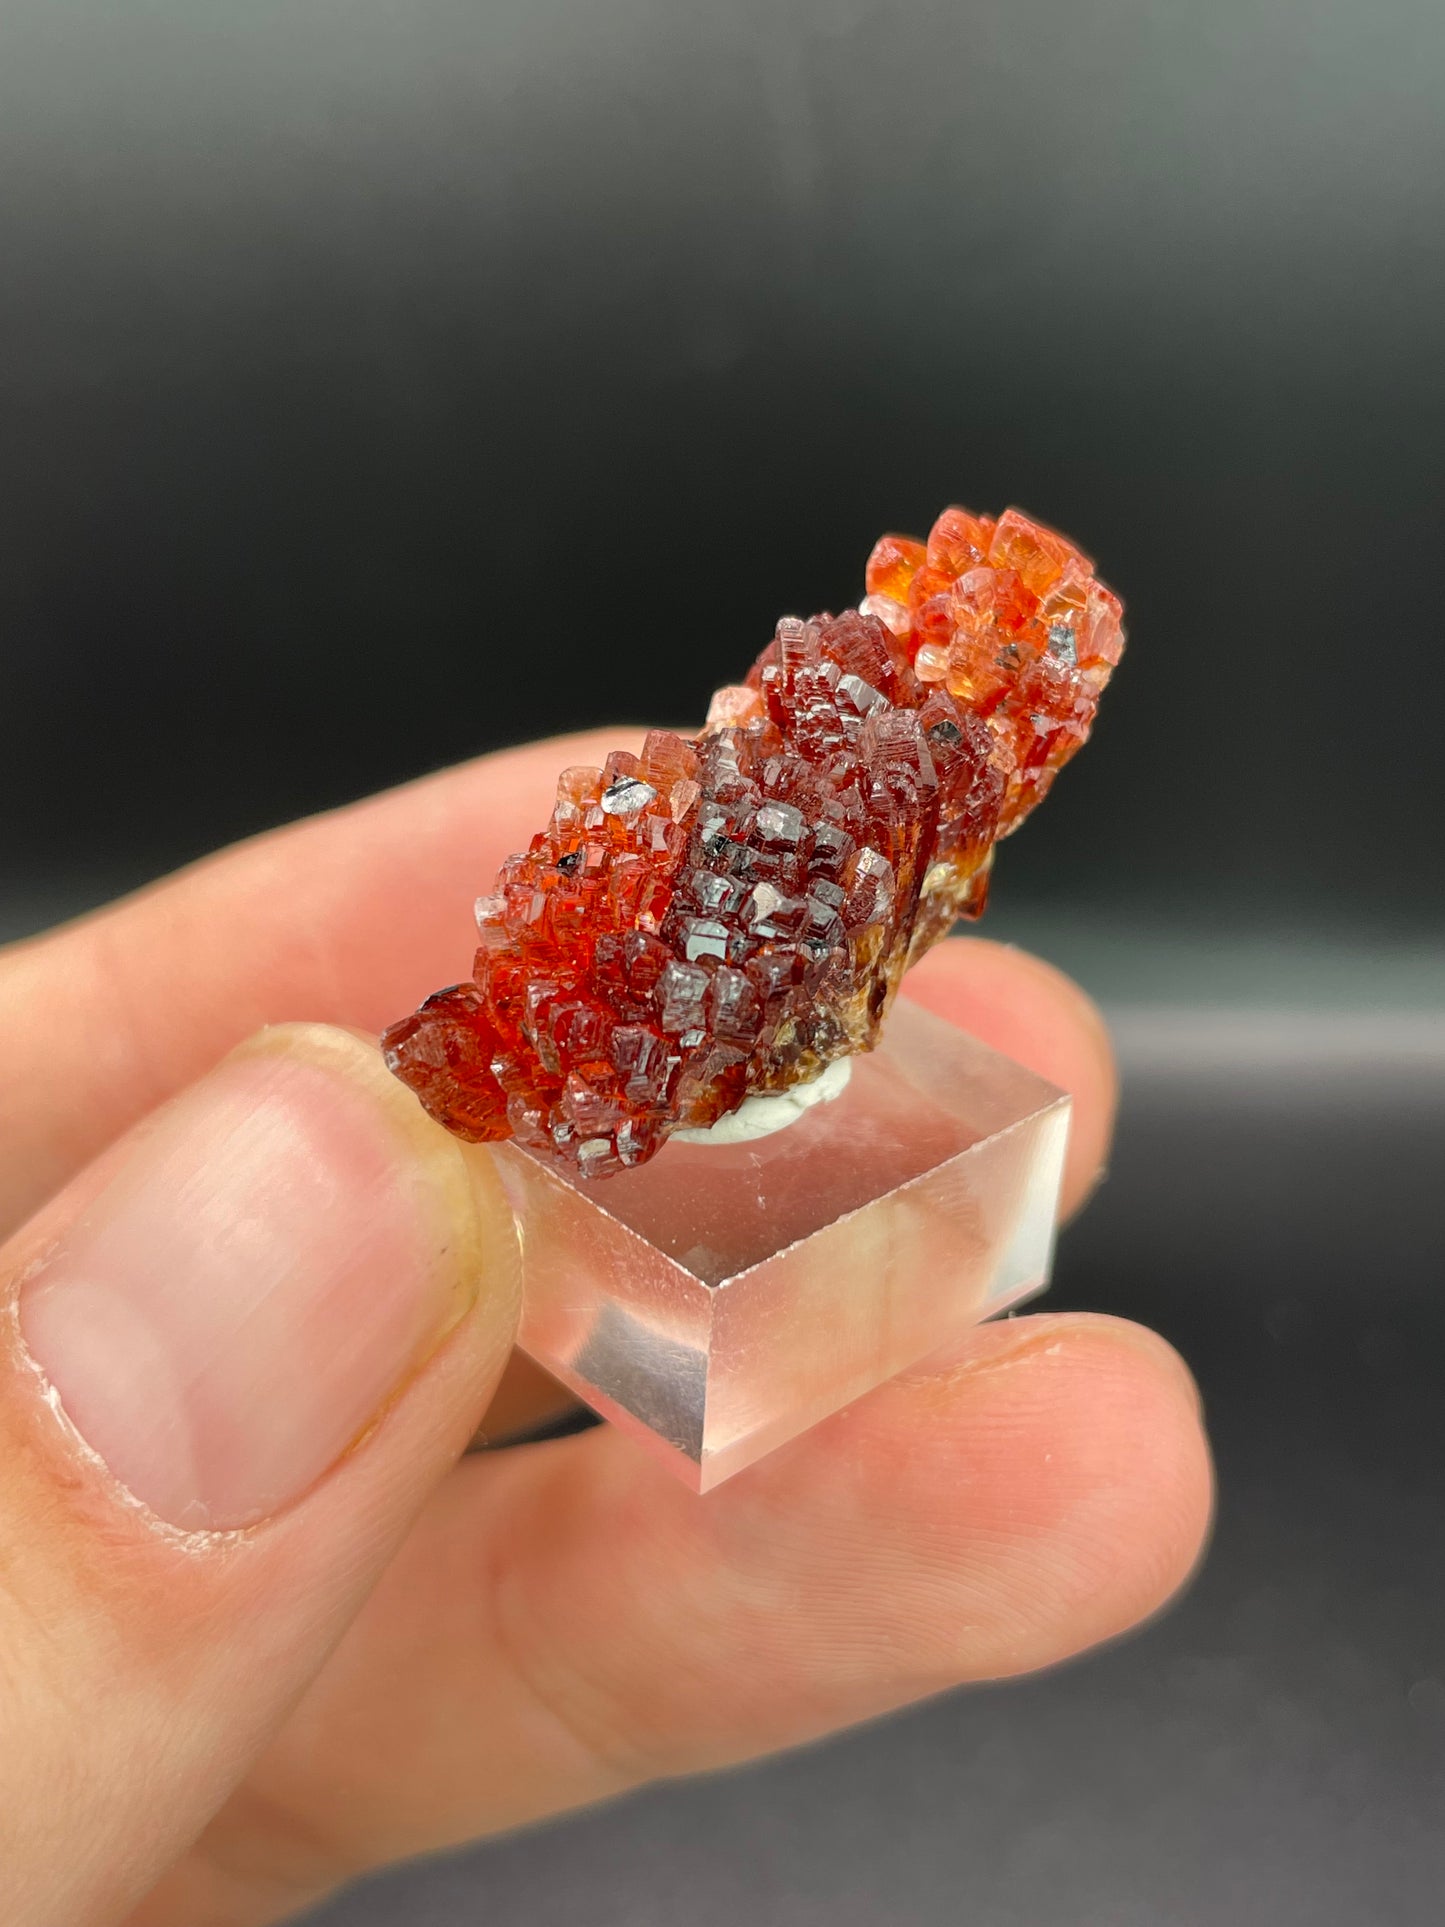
[384,382]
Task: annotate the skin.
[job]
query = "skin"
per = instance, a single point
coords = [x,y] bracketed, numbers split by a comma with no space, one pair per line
[421,1650]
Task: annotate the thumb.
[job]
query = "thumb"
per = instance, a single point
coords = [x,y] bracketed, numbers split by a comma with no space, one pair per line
[235,1356]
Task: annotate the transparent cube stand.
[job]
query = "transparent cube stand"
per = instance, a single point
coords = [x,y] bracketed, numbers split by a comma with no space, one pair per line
[724,1298]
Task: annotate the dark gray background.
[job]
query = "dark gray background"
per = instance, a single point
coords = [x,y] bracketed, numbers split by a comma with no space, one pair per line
[379,383]
[385,381]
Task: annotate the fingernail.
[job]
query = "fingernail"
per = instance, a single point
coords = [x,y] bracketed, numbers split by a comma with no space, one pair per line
[272,1259]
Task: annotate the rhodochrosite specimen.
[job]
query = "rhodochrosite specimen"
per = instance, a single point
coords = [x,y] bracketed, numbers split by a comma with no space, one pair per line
[728,914]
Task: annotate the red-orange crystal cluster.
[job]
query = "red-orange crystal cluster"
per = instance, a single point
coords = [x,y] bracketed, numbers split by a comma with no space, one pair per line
[727,915]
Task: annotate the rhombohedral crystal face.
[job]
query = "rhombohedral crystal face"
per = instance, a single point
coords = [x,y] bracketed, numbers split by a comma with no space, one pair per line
[726,915]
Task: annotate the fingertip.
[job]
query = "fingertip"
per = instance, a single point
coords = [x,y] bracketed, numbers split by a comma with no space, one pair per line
[1087,1457]
[1040,1491]
[1155,1525]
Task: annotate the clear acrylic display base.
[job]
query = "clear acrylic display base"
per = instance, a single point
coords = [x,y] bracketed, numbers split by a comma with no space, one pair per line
[723,1298]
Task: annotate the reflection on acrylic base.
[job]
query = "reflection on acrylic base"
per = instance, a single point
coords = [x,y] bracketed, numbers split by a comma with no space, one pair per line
[725,1297]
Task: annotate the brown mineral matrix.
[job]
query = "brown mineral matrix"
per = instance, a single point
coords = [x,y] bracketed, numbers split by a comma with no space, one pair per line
[730,913]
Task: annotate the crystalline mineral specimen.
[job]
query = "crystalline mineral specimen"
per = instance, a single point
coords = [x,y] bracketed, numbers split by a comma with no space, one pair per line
[728,915]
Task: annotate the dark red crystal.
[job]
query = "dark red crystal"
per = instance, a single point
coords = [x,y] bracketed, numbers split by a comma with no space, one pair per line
[727,915]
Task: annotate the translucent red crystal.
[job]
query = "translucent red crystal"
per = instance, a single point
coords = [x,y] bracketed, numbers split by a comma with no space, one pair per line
[727,915]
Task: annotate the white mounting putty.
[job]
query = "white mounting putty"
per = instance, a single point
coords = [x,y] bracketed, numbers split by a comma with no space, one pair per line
[761,1115]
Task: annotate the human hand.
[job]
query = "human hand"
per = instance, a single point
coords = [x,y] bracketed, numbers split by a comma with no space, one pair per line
[261,1631]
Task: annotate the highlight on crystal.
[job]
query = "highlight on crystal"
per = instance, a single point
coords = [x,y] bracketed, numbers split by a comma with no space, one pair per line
[726,915]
